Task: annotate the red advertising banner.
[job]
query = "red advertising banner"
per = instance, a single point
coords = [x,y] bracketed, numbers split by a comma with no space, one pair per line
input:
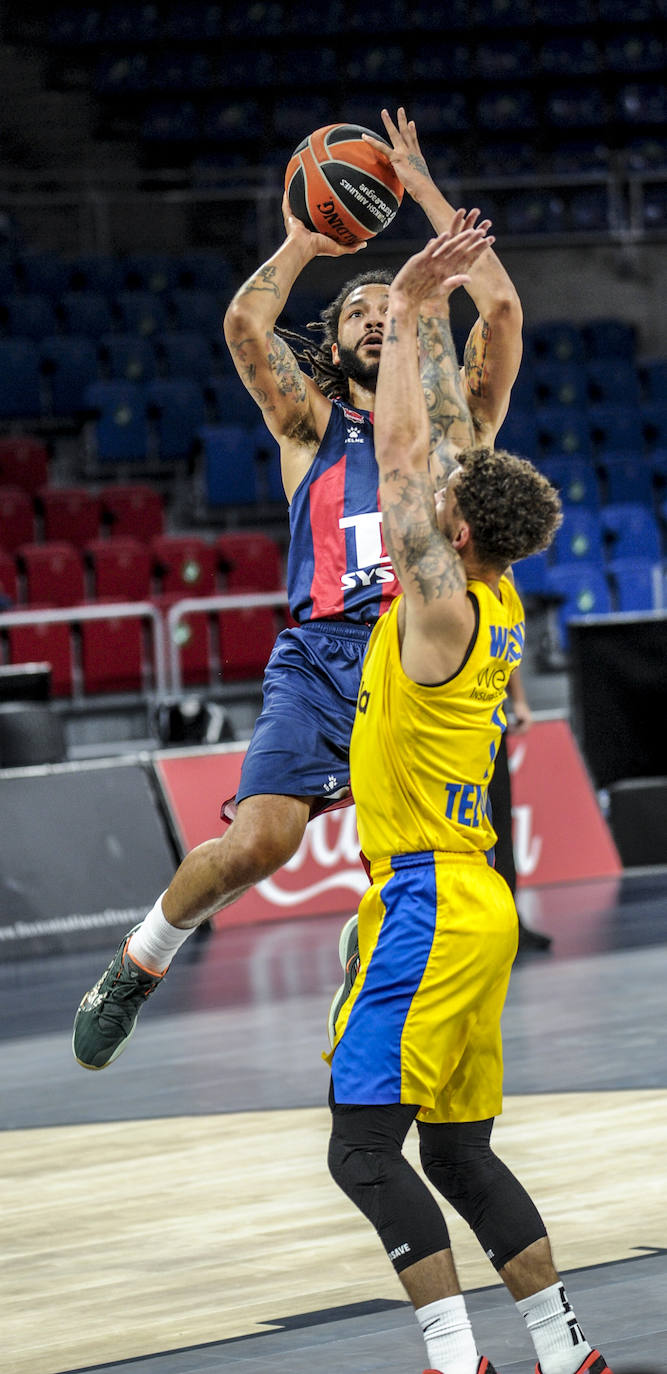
[559,832]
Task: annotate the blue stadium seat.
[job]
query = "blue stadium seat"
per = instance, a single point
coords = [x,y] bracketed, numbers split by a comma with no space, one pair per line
[575,107]
[29,316]
[177,409]
[535,212]
[86,312]
[185,353]
[20,394]
[438,115]
[43,274]
[439,59]
[141,312]
[557,340]
[231,401]
[610,338]
[575,479]
[205,272]
[503,58]
[267,457]
[579,154]
[627,477]
[518,433]
[584,589]
[197,310]
[589,209]
[564,430]
[612,381]
[530,574]
[615,429]
[568,55]
[118,415]
[98,273]
[579,539]
[630,529]
[634,52]
[229,465]
[560,384]
[153,273]
[506,108]
[653,379]
[634,583]
[235,121]
[642,102]
[240,69]
[127,357]
[69,364]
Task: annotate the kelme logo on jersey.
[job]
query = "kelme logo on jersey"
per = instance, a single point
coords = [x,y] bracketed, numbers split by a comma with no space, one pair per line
[372,564]
[354,436]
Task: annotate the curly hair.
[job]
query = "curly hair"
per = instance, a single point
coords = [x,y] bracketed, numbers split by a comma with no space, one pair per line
[317,357]
[511,508]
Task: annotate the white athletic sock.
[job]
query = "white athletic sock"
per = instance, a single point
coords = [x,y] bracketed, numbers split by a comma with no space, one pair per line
[446,1329]
[155,943]
[560,1344]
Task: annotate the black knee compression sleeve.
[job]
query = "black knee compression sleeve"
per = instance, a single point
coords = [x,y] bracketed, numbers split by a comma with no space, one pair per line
[460,1163]
[366,1161]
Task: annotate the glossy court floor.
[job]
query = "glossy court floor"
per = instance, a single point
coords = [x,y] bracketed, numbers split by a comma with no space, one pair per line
[174,1215]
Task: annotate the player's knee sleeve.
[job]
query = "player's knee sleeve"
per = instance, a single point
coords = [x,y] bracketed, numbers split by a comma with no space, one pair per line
[386,1189]
[459,1162]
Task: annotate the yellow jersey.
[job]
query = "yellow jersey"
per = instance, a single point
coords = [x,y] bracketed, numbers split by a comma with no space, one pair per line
[421,757]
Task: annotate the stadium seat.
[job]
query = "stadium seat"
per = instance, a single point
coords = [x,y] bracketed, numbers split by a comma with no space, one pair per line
[579,538]
[503,58]
[192,633]
[172,122]
[175,406]
[612,381]
[563,431]
[614,429]
[69,514]
[47,643]
[634,583]
[132,510]
[20,388]
[69,364]
[112,655]
[119,425]
[17,518]
[24,462]
[589,209]
[128,357]
[200,271]
[535,212]
[268,466]
[141,312]
[575,107]
[230,477]
[230,401]
[198,311]
[246,639]
[184,564]
[653,378]
[42,274]
[530,574]
[575,479]
[8,585]
[560,384]
[584,589]
[630,529]
[29,316]
[99,273]
[518,433]
[147,275]
[610,338]
[627,477]
[120,569]
[506,107]
[250,562]
[185,353]
[654,425]
[53,574]
[86,313]
[568,55]
[558,341]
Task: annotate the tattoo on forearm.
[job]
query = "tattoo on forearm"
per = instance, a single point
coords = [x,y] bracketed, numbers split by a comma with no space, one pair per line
[262,280]
[474,357]
[449,418]
[423,558]
[392,336]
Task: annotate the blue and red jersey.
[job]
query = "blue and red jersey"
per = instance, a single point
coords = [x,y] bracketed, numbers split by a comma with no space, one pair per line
[337,565]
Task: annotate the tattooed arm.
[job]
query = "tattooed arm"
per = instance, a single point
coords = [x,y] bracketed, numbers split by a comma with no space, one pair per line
[437,618]
[451,428]
[493,352]
[294,409]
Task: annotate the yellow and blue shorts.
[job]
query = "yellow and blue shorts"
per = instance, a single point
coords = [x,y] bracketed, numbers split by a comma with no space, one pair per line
[437,937]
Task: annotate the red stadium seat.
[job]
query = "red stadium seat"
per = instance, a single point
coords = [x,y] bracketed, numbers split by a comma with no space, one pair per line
[53,574]
[132,509]
[17,518]
[193,636]
[246,640]
[112,655]
[8,587]
[70,513]
[24,462]
[44,644]
[121,569]
[252,562]
[184,565]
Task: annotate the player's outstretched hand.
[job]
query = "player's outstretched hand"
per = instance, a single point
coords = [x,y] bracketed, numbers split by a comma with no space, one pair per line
[319,244]
[444,263]
[406,156]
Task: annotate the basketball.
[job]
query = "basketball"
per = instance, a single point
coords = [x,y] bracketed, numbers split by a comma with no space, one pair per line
[342,187]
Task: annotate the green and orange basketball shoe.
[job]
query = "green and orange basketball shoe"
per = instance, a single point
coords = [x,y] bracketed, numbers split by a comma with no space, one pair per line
[108,1013]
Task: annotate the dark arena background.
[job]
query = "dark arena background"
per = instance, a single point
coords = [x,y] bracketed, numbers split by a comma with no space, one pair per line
[174,1215]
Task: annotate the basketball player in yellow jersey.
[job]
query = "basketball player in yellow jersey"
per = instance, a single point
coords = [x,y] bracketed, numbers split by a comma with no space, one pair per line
[418,1037]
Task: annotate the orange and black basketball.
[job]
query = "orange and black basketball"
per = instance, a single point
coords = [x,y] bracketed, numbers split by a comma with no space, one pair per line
[342,187]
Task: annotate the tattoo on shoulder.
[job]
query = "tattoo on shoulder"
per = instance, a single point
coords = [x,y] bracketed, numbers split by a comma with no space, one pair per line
[423,557]
[474,357]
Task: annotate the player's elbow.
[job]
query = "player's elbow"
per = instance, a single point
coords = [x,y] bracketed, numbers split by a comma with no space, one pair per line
[237,321]
[505,308]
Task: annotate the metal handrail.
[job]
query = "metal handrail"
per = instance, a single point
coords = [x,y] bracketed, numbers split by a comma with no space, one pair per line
[208,604]
[109,610]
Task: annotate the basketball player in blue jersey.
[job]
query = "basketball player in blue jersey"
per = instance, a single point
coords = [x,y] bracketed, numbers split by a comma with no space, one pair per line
[418,1038]
[339,575]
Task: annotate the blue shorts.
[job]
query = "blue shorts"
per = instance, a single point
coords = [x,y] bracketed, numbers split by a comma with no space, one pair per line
[300,745]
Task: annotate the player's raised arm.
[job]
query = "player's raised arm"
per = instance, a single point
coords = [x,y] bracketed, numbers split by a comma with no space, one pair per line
[426,562]
[494,348]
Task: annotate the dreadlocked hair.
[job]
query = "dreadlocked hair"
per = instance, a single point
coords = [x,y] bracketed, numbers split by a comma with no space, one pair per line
[512,509]
[317,356]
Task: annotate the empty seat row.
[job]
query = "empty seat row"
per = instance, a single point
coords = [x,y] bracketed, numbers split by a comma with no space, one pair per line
[625,585]
[57,573]
[78,515]
[554,431]
[92,314]
[107,275]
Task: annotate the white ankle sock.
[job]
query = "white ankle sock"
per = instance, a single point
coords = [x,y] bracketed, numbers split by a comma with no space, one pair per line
[155,943]
[446,1329]
[560,1344]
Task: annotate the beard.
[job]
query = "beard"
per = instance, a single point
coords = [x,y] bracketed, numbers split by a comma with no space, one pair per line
[355,370]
